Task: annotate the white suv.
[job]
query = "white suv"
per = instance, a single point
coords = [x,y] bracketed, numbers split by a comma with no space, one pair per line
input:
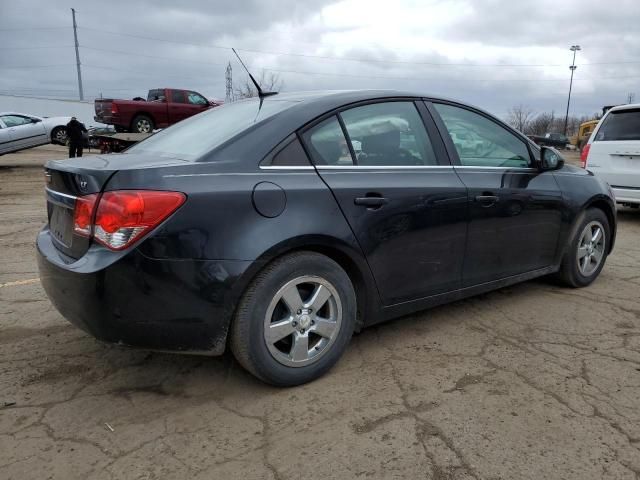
[613,152]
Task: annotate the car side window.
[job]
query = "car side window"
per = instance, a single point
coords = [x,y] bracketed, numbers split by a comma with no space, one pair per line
[15,120]
[388,134]
[481,142]
[196,99]
[327,143]
[291,155]
[177,96]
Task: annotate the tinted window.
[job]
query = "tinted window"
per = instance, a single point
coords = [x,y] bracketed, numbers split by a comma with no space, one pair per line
[388,134]
[196,99]
[482,142]
[156,95]
[327,144]
[620,125]
[15,120]
[198,135]
[177,96]
[292,154]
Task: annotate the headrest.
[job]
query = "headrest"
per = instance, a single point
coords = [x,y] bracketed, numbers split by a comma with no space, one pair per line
[381,142]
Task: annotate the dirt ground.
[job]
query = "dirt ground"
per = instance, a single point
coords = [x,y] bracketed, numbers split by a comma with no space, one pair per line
[529,382]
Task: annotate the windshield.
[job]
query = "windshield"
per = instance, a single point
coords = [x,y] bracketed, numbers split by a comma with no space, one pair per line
[196,136]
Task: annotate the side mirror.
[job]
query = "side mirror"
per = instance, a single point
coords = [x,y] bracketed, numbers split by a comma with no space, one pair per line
[35,120]
[550,159]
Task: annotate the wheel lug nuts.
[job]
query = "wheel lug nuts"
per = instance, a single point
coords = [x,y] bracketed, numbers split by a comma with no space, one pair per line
[302,330]
[299,312]
[313,322]
[294,323]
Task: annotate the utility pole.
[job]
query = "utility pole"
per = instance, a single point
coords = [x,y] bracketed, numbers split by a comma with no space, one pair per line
[574,49]
[631,97]
[228,76]
[75,37]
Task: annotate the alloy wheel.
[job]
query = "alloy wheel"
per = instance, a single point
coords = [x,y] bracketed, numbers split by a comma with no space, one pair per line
[61,136]
[591,248]
[302,321]
[143,125]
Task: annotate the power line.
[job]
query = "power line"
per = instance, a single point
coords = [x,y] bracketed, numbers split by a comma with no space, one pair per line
[31,28]
[35,48]
[353,59]
[132,54]
[38,66]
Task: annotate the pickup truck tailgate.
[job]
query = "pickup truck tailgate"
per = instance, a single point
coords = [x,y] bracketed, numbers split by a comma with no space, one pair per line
[103,110]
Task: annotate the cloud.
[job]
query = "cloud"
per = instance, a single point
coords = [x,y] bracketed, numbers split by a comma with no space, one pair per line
[457,48]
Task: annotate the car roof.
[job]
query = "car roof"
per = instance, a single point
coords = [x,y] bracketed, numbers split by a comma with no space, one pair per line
[630,106]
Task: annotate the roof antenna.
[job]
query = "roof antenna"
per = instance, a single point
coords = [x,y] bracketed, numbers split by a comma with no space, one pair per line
[261,94]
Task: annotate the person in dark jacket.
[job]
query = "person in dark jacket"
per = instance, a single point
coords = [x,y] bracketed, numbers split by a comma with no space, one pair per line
[75,130]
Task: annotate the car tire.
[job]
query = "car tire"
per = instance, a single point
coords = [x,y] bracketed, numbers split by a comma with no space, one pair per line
[280,337]
[584,259]
[59,136]
[142,124]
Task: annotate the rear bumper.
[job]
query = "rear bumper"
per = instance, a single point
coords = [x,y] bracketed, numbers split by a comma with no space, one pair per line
[172,305]
[626,195]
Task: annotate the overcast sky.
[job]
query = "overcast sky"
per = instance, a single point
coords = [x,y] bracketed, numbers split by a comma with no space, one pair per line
[494,54]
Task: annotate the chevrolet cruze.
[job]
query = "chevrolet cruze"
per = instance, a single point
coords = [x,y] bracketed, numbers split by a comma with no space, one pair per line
[279,226]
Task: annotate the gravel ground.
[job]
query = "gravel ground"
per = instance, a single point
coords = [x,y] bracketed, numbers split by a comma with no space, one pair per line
[528,382]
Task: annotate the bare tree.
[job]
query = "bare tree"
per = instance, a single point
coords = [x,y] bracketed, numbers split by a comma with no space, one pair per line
[268,81]
[542,123]
[519,117]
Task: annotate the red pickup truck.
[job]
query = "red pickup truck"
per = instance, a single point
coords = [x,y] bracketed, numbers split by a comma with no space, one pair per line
[163,107]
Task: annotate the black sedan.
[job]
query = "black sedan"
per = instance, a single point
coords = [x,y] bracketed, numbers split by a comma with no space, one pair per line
[280,226]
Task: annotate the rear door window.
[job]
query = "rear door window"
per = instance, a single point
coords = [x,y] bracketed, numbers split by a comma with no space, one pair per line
[620,125]
[177,96]
[388,134]
[327,144]
[15,120]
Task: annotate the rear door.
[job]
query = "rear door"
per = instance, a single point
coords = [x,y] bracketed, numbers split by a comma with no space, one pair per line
[614,153]
[6,138]
[515,211]
[25,131]
[401,197]
[177,109]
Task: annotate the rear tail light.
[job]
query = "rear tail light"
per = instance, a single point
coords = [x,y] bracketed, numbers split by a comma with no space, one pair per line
[83,214]
[122,217]
[114,108]
[584,155]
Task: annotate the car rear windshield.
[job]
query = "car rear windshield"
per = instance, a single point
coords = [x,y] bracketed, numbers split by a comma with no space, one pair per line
[196,136]
[620,125]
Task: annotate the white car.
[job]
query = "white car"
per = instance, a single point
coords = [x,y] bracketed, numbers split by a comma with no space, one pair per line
[613,152]
[19,131]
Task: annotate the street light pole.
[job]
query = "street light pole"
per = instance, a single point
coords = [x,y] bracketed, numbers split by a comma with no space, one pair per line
[574,49]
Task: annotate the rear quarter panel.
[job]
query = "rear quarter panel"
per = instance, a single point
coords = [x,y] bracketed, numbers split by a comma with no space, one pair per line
[219,221]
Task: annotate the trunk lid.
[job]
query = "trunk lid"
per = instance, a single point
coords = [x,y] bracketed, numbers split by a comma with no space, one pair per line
[66,180]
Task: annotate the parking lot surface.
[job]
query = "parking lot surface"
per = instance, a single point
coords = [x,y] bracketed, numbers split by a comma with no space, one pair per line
[533,381]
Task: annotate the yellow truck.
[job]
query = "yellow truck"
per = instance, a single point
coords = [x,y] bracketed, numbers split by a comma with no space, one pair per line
[584,132]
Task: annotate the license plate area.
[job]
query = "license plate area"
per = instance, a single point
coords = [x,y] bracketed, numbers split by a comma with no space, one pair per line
[60,207]
[61,225]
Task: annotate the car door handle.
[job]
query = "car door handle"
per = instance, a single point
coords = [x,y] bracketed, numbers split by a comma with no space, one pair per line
[487,200]
[372,201]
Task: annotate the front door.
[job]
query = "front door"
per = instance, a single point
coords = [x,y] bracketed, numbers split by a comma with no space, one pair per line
[515,211]
[401,197]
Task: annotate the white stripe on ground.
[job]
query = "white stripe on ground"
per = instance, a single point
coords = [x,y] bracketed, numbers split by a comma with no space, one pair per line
[19,282]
